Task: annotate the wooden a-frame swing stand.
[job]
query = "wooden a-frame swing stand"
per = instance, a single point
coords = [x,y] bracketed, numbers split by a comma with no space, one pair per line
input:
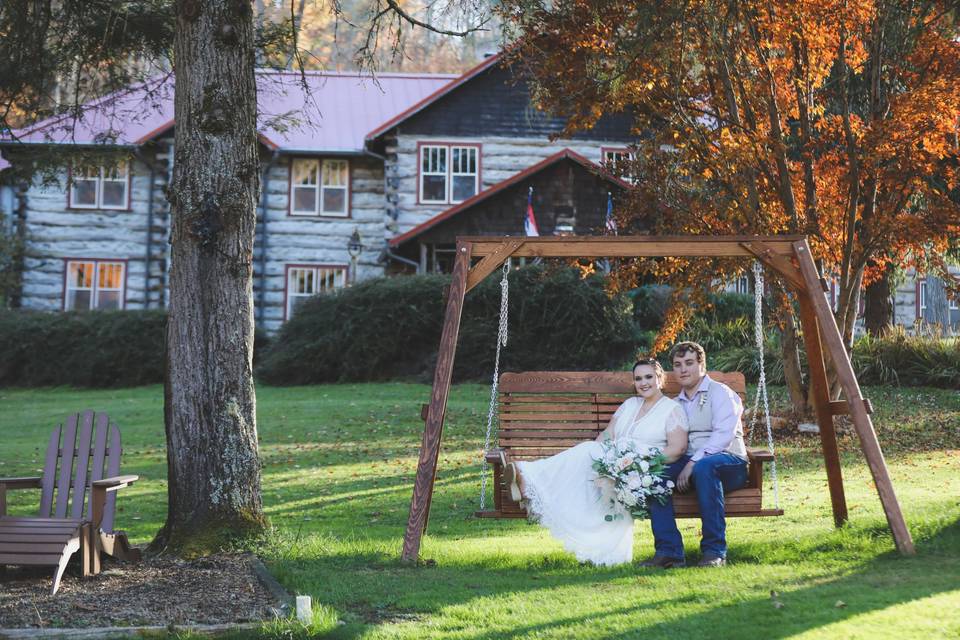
[788,256]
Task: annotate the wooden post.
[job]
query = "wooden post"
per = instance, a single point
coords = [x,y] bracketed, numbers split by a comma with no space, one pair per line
[861,419]
[820,392]
[433,429]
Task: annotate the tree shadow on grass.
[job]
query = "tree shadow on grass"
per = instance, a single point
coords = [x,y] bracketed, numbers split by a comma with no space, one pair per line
[357,584]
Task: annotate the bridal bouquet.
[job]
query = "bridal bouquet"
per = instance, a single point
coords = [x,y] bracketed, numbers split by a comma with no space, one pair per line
[629,479]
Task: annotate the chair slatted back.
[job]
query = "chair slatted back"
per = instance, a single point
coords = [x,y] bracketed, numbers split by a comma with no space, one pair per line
[85,448]
[545,412]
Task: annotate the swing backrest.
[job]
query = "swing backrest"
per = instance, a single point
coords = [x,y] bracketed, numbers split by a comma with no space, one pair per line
[545,412]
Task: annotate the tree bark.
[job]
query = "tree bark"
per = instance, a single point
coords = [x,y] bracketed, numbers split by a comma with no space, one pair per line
[210,404]
[878,304]
[792,373]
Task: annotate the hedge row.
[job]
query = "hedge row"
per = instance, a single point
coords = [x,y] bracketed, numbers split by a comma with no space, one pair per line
[390,327]
[91,349]
[95,349]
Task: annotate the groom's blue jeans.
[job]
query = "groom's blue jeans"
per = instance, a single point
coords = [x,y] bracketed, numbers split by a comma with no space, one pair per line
[712,477]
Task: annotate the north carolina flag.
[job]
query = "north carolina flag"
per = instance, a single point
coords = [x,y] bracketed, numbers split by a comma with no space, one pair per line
[530,222]
[611,222]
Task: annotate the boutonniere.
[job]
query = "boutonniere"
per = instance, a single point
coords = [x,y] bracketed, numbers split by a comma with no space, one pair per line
[703,401]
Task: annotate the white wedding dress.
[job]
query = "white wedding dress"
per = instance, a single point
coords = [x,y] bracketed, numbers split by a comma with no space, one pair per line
[561,495]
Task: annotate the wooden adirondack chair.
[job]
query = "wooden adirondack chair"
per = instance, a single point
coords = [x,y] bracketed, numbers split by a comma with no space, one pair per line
[77,501]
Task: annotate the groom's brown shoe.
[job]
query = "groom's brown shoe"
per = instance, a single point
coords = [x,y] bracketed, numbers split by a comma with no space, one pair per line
[664,562]
[712,561]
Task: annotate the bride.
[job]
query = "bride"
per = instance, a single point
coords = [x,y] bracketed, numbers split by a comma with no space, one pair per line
[560,492]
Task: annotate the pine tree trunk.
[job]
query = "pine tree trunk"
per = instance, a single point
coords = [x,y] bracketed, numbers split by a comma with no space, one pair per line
[210,404]
[878,305]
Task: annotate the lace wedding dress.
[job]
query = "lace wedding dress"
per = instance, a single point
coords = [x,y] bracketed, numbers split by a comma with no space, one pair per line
[561,495]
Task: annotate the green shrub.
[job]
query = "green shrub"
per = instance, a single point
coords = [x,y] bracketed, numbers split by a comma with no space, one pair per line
[91,349]
[908,360]
[650,304]
[390,327]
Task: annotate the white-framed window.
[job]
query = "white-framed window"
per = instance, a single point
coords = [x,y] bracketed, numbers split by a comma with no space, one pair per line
[449,173]
[305,280]
[742,285]
[94,284]
[105,187]
[616,160]
[921,298]
[319,187]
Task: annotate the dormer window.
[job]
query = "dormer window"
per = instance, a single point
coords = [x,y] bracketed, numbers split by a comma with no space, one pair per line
[449,173]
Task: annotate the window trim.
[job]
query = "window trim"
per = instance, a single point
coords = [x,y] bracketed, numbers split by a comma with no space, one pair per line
[307,265]
[96,261]
[448,191]
[921,294]
[318,213]
[98,206]
[605,150]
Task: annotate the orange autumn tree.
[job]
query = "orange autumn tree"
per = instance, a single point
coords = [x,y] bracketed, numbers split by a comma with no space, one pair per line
[837,119]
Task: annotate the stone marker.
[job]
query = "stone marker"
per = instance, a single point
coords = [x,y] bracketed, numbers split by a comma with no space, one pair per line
[304,610]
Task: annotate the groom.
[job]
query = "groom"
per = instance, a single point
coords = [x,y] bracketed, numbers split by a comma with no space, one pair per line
[716,461]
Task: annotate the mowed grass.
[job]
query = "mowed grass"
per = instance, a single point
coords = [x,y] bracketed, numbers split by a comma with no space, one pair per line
[338,468]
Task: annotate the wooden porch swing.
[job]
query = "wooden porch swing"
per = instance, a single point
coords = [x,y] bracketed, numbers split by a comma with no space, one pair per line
[788,256]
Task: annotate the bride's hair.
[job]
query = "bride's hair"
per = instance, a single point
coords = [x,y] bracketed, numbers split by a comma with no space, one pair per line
[650,362]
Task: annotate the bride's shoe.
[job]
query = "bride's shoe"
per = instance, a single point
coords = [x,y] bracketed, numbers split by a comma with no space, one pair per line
[510,477]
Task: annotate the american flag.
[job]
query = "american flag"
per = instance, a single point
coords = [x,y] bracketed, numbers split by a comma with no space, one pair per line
[611,223]
[530,222]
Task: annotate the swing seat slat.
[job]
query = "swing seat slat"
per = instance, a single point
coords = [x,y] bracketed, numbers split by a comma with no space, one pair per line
[545,412]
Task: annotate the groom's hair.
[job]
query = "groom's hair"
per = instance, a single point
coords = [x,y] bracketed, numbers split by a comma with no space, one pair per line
[682,348]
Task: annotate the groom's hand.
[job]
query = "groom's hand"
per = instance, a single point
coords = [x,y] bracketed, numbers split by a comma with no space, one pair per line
[683,480]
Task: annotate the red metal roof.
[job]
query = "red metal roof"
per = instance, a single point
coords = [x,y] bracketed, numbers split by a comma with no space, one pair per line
[565,154]
[333,117]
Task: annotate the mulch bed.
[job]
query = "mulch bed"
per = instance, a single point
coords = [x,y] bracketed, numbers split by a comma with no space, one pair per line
[157,591]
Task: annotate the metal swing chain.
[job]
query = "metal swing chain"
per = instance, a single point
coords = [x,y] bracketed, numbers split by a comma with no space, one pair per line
[501,342]
[762,383]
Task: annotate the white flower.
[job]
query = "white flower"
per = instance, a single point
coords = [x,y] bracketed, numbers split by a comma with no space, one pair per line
[634,481]
[647,481]
[644,466]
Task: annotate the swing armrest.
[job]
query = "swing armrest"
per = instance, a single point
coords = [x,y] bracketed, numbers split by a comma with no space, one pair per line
[759,455]
[493,456]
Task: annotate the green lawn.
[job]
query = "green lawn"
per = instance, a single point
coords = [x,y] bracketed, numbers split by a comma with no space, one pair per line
[338,467]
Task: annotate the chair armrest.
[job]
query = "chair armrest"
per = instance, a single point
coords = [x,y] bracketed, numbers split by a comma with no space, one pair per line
[99,494]
[114,483]
[31,482]
[759,455]
[493,456]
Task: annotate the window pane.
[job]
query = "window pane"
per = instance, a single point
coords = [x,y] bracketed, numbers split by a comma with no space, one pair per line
[463,187]
[108,300]
[434,187]
[80,275]
[116,172]
[110,275]
[335,173]
[334,200]
[305,172]
[434,159]
[305,199]
[114,194]
[84,192]
[79,299]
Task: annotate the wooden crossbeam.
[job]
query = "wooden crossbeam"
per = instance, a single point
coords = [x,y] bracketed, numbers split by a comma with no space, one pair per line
[632,246]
